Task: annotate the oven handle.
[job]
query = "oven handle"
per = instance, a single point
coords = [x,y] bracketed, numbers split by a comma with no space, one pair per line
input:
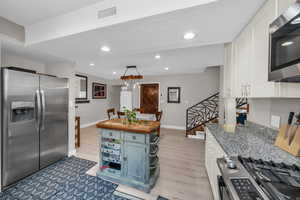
[222,189]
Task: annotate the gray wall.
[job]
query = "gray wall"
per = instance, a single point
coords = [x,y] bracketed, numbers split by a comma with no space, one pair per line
[261,110]
[95,110]
[11,30]
[194,88]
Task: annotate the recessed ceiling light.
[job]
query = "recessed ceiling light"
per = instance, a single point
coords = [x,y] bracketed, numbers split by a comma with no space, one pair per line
[189,35]
[166,68]
[114,73]
[105,49]
[288,43]
[157,56]
[92,64]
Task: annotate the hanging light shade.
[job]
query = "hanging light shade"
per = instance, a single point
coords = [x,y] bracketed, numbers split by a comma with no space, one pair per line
[131,77]
[137,75]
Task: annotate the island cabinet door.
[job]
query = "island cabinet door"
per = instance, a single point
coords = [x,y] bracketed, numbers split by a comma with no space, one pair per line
[134,161]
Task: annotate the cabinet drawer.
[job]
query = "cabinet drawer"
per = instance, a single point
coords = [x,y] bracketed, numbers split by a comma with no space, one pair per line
[106,133]
[141,138]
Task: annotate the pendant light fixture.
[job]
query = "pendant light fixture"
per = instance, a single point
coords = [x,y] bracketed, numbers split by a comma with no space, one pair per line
[131,77]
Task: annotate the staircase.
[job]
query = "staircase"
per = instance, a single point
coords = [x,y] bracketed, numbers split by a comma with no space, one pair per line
[201,113]
[207,111]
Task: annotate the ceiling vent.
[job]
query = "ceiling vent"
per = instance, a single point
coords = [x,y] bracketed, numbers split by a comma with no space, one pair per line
[107,12]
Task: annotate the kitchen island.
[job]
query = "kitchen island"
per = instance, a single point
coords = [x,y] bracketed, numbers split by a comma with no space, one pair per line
[128,153]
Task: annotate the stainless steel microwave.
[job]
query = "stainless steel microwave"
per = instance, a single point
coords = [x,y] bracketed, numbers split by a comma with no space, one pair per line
[284,54]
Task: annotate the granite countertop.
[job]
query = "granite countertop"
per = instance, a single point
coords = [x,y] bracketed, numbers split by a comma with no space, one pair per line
[252,141]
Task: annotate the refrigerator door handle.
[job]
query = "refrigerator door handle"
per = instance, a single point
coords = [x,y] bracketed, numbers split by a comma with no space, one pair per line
[43,109]
[38,109]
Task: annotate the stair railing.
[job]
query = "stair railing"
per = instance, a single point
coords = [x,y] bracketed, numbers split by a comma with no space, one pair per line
[202,112]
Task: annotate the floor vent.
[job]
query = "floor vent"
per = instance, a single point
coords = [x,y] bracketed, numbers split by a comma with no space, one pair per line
[107,12]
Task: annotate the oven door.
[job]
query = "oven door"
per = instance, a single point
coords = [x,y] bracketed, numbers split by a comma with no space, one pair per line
[284,58]
[223,192]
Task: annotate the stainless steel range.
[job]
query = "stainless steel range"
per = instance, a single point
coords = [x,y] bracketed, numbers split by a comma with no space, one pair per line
[250,179]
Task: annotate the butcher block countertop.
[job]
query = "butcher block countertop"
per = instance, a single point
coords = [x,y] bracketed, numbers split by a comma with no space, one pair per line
[141,126]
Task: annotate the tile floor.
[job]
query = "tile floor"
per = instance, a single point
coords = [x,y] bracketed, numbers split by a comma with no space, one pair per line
[183,175]
[63,180]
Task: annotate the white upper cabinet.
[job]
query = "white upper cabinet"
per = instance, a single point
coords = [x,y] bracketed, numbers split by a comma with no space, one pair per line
[259,61]
[247,58]
[242,63]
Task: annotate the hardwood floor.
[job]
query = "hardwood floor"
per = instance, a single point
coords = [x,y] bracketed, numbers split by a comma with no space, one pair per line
[182,176]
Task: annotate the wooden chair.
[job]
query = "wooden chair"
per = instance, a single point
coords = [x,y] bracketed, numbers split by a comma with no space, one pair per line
[158,116]
[120,114]
[111,112]
[137,110]
[77,131]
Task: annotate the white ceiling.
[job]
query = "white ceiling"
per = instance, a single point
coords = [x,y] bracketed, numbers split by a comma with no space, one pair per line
[216,23]
[27,12]
[180,61]
[136,42]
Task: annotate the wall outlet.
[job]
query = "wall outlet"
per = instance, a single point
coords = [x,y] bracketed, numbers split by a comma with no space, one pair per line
[275,121]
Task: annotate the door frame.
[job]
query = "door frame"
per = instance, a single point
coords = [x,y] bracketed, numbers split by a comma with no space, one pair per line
[159,94]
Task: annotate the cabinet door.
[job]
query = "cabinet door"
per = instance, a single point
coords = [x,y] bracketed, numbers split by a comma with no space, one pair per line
[213,151]
[283,5]
[228,74]
[260,85]
[135,161]
[243,54]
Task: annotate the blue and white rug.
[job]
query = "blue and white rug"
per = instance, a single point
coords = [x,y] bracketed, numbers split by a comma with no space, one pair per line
[64,180]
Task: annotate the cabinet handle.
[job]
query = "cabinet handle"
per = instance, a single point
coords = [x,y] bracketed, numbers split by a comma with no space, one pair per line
[243,91]
[125,158]
[134,137]
[248,89]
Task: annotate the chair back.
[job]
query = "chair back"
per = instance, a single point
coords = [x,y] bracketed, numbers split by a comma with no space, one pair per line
[111,112]
[137,110]
[120,114]
[158,116]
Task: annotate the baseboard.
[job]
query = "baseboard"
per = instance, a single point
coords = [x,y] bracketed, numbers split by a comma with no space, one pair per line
[91,124]
[72,153]
[173,127]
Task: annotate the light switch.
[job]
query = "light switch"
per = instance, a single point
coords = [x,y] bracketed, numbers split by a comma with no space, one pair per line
[275,121]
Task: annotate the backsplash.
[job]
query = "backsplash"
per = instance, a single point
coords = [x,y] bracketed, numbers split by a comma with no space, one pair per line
[261,110]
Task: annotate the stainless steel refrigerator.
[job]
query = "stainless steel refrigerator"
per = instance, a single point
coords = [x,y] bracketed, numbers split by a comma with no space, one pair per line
[34,123]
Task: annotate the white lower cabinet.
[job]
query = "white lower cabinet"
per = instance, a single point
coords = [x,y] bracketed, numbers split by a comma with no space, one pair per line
[213,150]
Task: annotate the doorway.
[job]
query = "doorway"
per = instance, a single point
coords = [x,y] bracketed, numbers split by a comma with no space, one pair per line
[149,98]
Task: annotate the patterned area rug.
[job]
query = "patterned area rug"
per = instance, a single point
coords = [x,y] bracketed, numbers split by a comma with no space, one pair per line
[64,180]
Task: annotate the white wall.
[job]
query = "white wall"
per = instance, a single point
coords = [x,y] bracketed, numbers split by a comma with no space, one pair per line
[194,88]
[114,96]
[95,110]
[12,59]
